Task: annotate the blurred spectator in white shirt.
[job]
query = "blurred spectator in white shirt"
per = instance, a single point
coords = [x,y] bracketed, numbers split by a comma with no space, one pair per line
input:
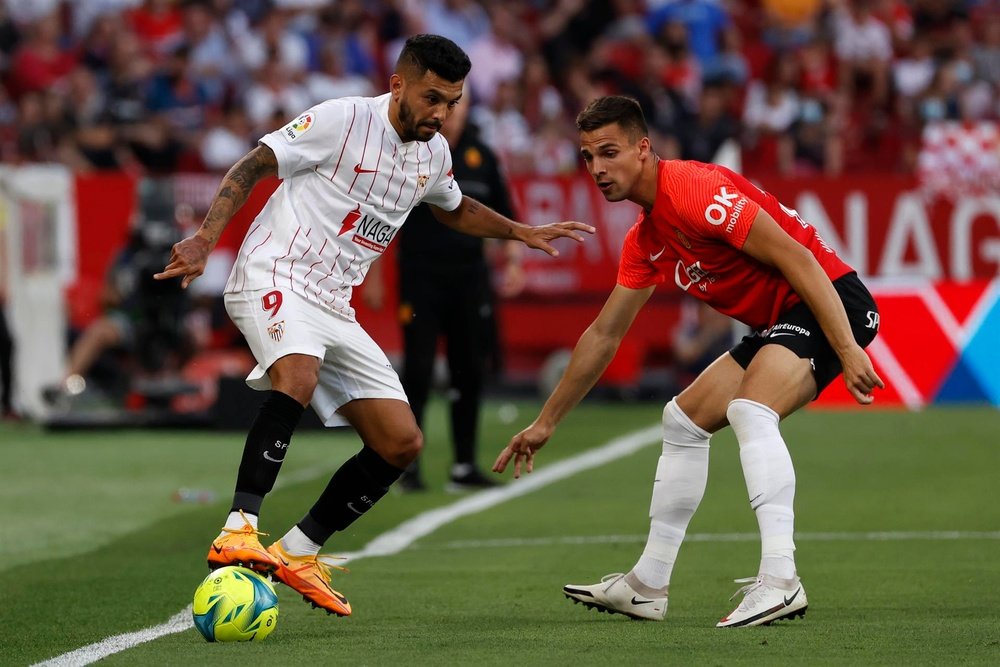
[211,58]
[227,139]
[273,36]
[461,21]
[333,81]
[504,128]
[495,55]
[274,99]
[864,47]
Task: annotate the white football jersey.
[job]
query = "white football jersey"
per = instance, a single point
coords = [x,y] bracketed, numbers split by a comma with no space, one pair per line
[348,184]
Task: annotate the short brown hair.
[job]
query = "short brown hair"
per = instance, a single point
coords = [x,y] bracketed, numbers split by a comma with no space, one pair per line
[614,109]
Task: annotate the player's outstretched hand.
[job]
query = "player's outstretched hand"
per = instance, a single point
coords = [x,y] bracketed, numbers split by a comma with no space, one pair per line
[859,375]
[522,449]
[187,258]
[539,237]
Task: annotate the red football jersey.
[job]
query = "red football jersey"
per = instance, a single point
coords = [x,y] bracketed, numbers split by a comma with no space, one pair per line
[695,232]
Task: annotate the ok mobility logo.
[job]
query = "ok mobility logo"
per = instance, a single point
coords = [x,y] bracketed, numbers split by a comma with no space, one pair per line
[369,231]
[716,213]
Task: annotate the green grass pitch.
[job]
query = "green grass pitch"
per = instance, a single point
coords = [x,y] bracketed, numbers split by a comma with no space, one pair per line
[93,545]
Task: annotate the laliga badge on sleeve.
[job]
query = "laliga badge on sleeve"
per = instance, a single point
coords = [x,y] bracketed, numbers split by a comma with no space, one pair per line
[298,127]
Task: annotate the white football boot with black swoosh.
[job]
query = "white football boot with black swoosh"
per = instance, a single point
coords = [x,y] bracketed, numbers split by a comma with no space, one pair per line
[766,599]
[616,595]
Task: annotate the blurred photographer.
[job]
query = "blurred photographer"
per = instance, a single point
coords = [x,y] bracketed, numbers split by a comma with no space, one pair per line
[142,317]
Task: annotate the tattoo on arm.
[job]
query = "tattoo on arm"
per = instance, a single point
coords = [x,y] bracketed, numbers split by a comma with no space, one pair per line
[236,187]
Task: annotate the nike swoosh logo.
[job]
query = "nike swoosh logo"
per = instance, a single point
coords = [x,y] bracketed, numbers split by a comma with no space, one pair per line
[359,170]
[351,507]
[273,460]
[782,333]
[636,600]
[788,600]
[655,257]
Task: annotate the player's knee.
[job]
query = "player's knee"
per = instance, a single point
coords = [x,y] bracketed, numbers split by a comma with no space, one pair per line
[679,430]
[752,421]
[405,448]
[767,466]
[298,381]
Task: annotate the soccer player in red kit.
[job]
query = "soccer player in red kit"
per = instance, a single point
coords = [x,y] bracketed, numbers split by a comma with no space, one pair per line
[714,235]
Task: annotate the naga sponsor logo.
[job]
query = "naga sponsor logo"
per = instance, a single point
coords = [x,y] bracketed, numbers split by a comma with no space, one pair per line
[785,329]
[369,231]
[724,207]
[693,274]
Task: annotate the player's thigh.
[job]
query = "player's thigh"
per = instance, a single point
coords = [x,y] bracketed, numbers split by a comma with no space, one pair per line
[354,367]
[778,378]
[706,400]
[387,426]
[277,324]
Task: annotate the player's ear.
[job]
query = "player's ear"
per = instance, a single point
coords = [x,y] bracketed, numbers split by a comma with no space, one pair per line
[644,148]
[396,86]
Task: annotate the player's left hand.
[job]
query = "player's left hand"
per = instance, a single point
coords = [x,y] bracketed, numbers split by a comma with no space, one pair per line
[539,237]
[522,449]
[859,375]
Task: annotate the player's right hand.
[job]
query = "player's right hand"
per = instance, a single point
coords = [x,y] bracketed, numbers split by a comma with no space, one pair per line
[522,449]
[187,258]
[859,375]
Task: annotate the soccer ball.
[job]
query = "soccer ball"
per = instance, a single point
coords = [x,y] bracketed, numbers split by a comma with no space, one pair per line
[235,604]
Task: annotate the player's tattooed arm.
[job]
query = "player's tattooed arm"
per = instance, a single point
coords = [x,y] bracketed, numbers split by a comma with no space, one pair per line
[234,190]
[475,219]
[188,257]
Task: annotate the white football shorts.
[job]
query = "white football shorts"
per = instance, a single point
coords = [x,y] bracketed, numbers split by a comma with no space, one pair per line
[277,322]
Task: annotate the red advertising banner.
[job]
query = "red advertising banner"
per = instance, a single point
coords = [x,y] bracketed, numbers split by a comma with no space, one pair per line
[880,225]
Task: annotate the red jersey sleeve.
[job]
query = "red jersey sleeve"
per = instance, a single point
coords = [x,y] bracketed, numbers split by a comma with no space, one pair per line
[711,204]
[635,271]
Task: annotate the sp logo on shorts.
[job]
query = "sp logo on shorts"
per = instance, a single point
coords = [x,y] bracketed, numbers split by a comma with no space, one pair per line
[276,331]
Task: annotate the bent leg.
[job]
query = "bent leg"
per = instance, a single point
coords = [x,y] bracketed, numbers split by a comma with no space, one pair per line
[391,440]
[682,470]
[777,382]
[293,380]
[104,333]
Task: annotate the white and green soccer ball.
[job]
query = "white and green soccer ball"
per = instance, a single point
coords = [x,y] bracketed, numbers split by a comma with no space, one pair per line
[234,604]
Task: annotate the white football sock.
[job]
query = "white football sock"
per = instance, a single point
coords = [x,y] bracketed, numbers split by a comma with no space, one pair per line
[681,476]
[295,543]
[235,521]
[770,479]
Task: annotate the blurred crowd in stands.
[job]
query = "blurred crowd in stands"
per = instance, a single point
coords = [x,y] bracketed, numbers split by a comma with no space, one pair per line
[803,86]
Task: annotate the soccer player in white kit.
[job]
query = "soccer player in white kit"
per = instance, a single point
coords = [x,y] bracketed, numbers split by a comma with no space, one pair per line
[352,171]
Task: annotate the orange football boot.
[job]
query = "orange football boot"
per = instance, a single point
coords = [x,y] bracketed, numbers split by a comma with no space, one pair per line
[309,576]
[240,546]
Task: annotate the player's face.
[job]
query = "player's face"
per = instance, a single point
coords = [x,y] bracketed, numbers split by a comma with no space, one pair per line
[613,159]
[425,104]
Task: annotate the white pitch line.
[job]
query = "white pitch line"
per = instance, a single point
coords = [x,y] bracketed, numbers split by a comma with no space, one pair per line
[395,540]
[882,536]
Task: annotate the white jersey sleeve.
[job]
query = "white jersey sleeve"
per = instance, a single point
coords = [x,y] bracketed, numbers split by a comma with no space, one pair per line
[310,139]
[445,192]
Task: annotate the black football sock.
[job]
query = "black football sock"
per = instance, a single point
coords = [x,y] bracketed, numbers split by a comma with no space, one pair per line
[354,489]
[267,443]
